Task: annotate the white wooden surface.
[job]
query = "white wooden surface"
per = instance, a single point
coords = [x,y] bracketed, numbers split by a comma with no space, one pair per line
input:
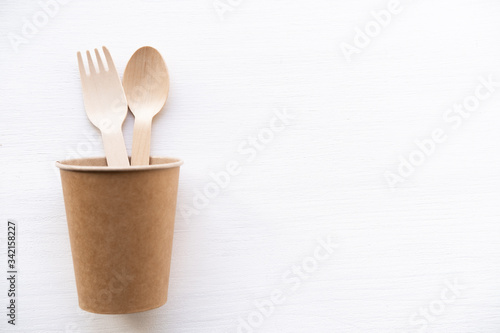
[322,177]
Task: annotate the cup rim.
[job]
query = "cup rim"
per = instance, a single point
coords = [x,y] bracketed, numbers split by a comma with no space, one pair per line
[72,165]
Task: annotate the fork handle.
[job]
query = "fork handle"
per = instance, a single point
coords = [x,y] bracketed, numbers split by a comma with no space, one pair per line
[115,149]
[141,143]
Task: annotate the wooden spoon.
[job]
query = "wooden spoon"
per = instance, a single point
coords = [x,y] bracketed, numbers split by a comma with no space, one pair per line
[146,84]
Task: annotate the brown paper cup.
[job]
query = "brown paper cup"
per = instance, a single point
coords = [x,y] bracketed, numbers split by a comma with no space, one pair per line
[121,224]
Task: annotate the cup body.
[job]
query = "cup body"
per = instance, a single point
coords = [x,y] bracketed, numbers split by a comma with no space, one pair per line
[121,225]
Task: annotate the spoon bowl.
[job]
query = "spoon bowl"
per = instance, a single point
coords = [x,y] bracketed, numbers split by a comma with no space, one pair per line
[146,83]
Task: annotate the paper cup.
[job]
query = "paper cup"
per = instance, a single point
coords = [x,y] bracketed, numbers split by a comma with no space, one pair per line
[121,225]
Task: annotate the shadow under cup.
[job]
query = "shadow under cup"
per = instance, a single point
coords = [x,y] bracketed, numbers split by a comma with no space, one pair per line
[121,225]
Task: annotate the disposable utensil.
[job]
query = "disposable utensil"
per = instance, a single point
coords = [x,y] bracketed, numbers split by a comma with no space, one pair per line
[146,84]
[105,104]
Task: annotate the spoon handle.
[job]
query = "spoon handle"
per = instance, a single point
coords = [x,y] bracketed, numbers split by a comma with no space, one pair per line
[141,143]
[114,148]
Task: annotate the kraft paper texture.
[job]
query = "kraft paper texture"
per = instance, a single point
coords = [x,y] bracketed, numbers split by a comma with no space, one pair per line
[121,224]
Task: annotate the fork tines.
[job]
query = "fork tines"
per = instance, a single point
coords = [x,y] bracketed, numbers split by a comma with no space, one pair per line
[100,64]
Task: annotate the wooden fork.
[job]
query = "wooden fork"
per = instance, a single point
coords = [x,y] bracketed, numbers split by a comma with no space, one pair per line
[106,105]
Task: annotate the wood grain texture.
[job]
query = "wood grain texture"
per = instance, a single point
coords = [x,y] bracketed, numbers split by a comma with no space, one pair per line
[146,85]
[298,142]
[105,104]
